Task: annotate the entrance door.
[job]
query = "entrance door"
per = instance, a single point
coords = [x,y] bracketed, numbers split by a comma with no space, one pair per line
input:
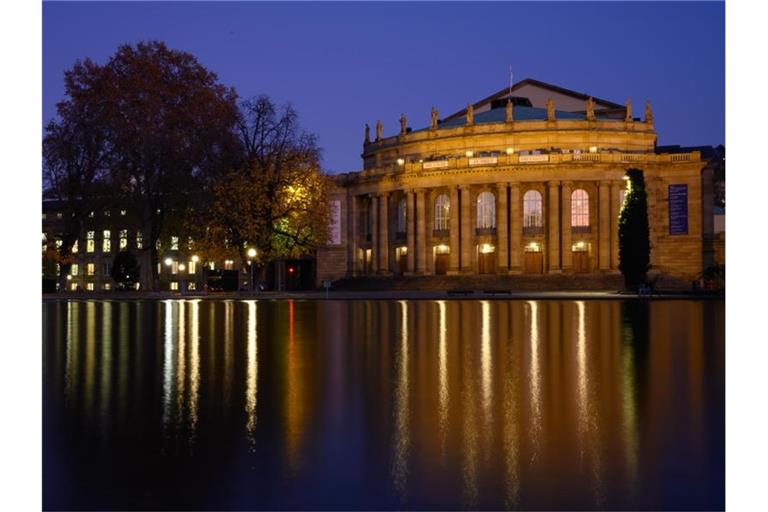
[533,262]
[581,261]
[401,255]
[441,264]
[486,263]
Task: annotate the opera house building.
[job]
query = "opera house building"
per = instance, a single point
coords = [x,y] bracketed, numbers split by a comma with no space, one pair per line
[529,180]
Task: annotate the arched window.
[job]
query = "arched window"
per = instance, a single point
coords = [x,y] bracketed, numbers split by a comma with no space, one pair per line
[533,208]
[579,208]
[442,212]
[486,210]
[402,212]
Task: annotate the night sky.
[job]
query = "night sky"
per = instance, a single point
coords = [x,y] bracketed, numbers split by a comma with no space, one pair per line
[345,64]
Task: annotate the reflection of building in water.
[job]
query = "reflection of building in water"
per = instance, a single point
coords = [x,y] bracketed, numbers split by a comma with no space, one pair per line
[534,377]
[296,412]
[443,373]
[402,412]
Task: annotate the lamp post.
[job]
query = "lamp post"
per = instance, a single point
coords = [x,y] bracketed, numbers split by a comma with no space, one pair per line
[194,260]
[168,262]
[251,255]
[183,267]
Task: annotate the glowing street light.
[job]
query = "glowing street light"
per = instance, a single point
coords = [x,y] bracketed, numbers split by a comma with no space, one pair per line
[168,262]
[251,253]
[195,258]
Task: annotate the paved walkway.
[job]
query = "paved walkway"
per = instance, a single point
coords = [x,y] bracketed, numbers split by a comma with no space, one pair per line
[383,295]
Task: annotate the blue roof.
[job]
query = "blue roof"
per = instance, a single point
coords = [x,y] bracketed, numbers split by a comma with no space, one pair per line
[519,113]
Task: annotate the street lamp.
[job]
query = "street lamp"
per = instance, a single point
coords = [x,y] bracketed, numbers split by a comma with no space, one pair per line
[251,255]
[168,262]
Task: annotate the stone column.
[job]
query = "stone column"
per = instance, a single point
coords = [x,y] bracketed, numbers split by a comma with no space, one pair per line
[454,223]
[565,226]
[410,218]
[374,209]
[516,229]
[355,234]
[502,229]
[604,225]
[467,231]
[421,233]
[384,267]
[616,187]
[553,222]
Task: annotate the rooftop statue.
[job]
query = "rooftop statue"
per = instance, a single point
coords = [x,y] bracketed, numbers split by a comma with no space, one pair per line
[628,108]
[434,118]
[470,114]
[590,109]
[550,110]
[379,130]
[403,124]
[648,113]
[367,134]
[509,111]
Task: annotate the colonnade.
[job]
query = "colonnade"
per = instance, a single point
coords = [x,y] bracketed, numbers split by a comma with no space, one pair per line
[552,245]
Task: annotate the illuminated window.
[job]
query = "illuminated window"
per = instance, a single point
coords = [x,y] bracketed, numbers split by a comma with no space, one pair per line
[106,242]
[158,245]
[175,267]
[174,243]
[174,285]
[90,242]
[228,264]
[579,208]
[122,213]
[402,212]
[73,287]
[106,286]
[45,240]
[59,215]
[442,212]
[486,210]
[59,243]
[191,286]
[123,239]
[192,267]
[190,243]
[74,269]
[89,287]
[75,247]
[139,240]
[533,209]
[58,270]
[159,268]
[212,266]
[90,214]
[90,269]
[107,213]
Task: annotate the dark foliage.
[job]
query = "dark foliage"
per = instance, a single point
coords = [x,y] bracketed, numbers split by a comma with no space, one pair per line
[125,269]
[634,240]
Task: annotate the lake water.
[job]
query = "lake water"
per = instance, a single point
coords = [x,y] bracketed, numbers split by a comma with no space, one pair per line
[205,404]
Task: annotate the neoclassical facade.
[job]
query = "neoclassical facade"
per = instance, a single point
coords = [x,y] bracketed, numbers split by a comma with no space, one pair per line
[527,181]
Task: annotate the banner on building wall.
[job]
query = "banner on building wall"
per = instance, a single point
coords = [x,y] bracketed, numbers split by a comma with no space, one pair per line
[335,227]
[678,209]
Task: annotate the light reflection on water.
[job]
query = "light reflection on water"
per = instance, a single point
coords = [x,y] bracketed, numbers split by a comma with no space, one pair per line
[377,404]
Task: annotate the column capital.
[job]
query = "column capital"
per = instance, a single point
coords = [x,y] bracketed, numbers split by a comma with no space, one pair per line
[567,183]
[605,183]
[553,183]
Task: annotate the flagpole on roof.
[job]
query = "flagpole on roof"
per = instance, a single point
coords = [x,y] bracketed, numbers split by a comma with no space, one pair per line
[510,79]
